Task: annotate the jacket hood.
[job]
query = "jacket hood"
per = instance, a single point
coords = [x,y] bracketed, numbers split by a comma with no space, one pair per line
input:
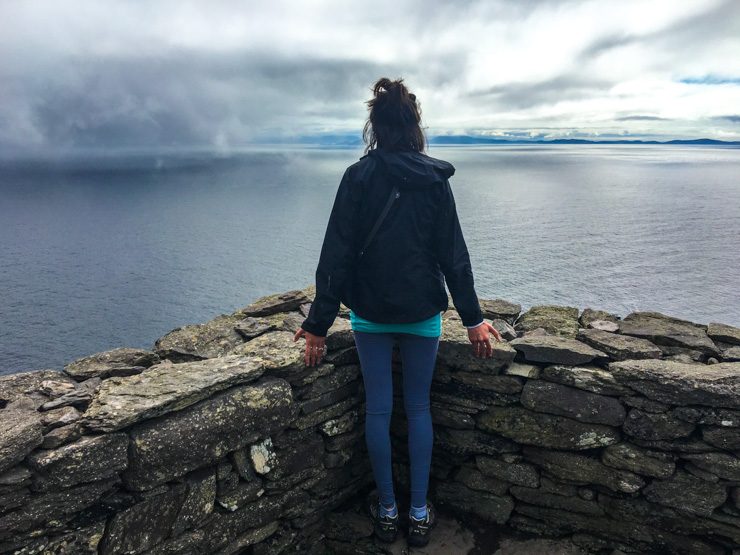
[417,168]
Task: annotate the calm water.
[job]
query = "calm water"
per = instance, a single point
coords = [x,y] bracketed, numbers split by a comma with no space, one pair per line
[97,253]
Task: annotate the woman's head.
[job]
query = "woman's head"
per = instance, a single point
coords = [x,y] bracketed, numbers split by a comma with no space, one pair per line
[394,122]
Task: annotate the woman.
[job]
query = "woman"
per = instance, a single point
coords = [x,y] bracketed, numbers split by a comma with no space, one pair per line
[395,289]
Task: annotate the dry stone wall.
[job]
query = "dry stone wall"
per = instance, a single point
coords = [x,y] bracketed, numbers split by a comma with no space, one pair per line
[621,434]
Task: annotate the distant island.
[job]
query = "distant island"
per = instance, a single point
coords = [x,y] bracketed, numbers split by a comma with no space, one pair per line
[348,140]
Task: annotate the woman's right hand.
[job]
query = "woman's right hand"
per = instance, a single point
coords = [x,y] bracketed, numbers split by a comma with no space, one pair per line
[480,338]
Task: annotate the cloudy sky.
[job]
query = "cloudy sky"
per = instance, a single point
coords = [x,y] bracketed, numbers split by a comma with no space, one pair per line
[224,74]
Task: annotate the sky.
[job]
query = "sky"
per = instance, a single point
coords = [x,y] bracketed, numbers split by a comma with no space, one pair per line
[220,74]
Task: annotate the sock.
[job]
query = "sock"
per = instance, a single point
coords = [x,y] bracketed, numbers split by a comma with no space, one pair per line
[418,512]
[391,511]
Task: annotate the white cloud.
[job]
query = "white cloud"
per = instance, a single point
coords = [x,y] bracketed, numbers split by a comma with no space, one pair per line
[175,72]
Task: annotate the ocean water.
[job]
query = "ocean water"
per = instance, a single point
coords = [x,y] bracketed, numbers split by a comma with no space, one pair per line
[98,252]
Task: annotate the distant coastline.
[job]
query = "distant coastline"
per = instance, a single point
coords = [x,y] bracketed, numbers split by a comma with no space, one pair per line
[348,140]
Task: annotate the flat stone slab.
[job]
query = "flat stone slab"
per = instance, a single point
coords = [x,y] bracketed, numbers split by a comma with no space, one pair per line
[554,349]
[588,378]
[40,386]
[166,387]
[554,319]
[85,460]
[200,341]
[677,383]
[277,353]
[646,462]
[668,331]
[279,302]
[116,362]
[584,406]
[724,333]
[182,441]
[500,308]
[687,493]
[456,351]
[20,433]
[619,347]
[583,469]
[590,315]
[537,428]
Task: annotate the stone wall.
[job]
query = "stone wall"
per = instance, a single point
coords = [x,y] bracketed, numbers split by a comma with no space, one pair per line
[622,434]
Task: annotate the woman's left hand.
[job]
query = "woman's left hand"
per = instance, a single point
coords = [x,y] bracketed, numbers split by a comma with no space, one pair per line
[315,346]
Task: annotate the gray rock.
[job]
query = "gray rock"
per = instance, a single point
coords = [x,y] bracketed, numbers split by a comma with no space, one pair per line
[646,462]
[604,325]
[678,445]
[60,436]
[724,438]
[584,406]
[667,330]
[583,469]
[475,479]
[79,396]
[724,465]
[488,382]
[644,404]
[88,459]
[708,415]
[687,493]
[278,354]
[200,341]
[117,362]
[198,502]
[538,497]
[28,385]
[472,442]
[519,473]
[164,388]
[61,505]
[556,350]
[724,333]
[731,354]
[619,347]
[456,351]
[180,442]
[333,380]
[251,327]
[17,476]
[56,418]
[556,320]
[451,418]
[529,371]
[493,309]
[648,425]
[81,541]
[589,316]
[339,425]
[505,329]
[588,378]
[278,302]
[20,433]
[142,526]
[490,507]
[535,428]
[243,493]
[682,384]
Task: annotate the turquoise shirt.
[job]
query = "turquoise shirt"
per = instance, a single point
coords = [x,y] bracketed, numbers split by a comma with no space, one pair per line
[431,327]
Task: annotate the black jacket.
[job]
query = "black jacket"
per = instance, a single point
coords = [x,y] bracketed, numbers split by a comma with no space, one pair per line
[401,276]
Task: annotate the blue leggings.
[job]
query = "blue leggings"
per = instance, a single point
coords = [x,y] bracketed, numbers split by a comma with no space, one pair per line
[418,356]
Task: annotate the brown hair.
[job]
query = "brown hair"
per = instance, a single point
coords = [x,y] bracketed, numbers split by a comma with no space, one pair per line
[394,122]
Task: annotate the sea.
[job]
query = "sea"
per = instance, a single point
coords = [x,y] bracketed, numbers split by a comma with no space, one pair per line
[106,250]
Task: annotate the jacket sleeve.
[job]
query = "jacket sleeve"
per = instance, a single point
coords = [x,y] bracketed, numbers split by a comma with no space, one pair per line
[454,261]
[335,261]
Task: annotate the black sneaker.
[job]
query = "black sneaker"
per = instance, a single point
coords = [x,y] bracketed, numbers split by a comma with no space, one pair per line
[420,530]
[385,527]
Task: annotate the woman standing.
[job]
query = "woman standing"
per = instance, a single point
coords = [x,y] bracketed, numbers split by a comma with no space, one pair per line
[395,288]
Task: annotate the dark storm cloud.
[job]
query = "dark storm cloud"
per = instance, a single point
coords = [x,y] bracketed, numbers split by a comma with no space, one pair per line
[170,73]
